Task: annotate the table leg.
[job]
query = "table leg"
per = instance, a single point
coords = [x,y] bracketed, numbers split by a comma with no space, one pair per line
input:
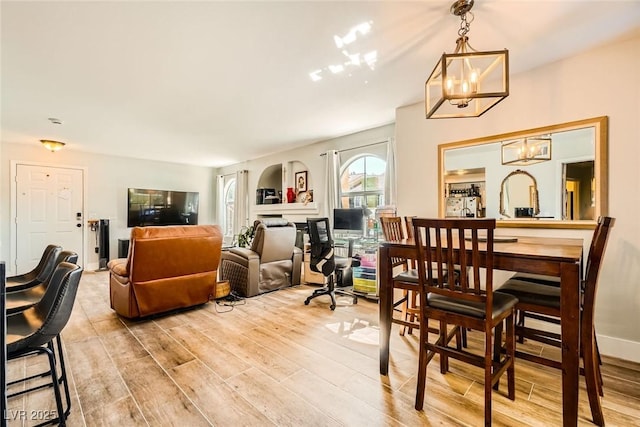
[570,306]
[385,305]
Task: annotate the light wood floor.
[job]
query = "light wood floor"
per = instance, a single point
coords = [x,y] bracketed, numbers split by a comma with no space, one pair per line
[275,361]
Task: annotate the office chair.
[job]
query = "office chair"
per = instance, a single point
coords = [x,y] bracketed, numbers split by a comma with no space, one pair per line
[324,261]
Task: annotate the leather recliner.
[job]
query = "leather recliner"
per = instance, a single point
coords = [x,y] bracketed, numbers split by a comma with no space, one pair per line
[273,261]
[168,268]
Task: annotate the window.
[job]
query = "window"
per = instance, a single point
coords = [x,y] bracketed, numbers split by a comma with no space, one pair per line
[362,183]
[229,202]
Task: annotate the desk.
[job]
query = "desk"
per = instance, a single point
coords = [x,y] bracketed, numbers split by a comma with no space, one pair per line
[553,257]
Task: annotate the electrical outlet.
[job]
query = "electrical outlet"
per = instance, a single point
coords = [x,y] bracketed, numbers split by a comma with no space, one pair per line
[97,249]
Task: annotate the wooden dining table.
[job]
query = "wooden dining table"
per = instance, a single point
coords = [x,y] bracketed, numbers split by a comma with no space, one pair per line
[550,256]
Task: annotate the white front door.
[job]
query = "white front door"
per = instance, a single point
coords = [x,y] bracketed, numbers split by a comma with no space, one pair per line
[49,207]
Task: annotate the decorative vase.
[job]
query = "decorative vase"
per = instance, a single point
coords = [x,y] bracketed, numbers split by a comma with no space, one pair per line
[291,195]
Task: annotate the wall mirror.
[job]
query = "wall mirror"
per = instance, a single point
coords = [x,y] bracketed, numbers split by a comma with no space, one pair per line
[519,195]
[548,177]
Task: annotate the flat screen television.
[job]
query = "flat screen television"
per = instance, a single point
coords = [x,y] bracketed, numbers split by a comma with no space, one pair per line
[161,207]
[349,220]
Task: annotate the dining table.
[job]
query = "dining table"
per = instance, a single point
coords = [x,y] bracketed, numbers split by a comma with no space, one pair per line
[560,257]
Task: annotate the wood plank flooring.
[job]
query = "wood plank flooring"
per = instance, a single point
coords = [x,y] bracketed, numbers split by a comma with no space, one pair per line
[276,362]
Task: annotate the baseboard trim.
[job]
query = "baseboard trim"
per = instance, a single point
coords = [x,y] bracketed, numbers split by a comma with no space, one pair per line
[619,348]
[608,346]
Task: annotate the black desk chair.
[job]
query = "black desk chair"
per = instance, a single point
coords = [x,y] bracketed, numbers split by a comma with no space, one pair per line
[324,261]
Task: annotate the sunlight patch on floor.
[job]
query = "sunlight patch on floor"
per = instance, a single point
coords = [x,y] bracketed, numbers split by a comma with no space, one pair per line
[358,331]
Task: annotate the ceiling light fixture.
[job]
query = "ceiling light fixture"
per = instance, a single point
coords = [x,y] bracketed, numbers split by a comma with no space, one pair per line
[466,83]
[526,151]
[52,146]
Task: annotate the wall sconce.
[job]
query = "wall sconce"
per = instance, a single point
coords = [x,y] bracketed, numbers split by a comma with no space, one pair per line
[52,146]
[526,151]
[466,83]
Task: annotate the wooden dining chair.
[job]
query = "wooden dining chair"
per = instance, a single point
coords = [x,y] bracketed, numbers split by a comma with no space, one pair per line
[542,300]
[407,279]
[460,300]
[408,222]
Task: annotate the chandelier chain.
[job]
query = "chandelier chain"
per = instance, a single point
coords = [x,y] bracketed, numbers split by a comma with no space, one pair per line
[465,24]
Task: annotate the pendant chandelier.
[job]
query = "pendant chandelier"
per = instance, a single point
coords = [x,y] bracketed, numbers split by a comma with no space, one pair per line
[526,151]
[466,83]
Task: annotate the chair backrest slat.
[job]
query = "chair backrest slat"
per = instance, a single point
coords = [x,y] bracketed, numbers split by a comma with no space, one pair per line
[393,232]
[408,222]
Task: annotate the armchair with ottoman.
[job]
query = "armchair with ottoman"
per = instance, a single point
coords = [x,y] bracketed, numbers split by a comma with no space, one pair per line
[273,261]
[168,268]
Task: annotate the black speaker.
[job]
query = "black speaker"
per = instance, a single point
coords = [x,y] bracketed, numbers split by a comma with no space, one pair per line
[103,244]
[123,248]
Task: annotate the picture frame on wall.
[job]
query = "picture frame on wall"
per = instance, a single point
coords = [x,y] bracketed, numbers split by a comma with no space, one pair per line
[301,181]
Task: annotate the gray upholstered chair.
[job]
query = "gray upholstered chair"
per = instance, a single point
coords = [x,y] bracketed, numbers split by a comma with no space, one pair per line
[273,261]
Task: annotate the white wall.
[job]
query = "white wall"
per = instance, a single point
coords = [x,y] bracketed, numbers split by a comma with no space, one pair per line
[108,178]
[602,82]
[310,156]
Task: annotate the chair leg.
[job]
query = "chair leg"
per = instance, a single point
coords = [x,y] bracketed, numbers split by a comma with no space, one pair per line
[63,376]
[405,311]
[521,315]
[444,360]
[327,290]
[413,317]
[590,369]
[423,361]
[497,348]
[511,354]
[488,376]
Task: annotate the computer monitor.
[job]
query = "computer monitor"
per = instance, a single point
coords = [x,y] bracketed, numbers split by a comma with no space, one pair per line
[349,220]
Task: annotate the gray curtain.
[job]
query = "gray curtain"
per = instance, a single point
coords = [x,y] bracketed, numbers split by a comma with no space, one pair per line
[390,188]
[332,174]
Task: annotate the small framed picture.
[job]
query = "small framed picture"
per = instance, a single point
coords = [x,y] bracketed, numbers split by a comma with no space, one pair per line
[301,181]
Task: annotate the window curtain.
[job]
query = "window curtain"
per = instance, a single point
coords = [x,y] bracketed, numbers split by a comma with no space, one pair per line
[390,189]
[332,174]
[220,204]
[241,203]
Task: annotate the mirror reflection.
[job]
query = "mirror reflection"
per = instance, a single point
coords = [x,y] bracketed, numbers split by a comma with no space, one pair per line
[519,195]
[546,176]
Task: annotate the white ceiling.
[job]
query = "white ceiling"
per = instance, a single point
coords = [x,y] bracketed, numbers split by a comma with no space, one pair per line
[216,83]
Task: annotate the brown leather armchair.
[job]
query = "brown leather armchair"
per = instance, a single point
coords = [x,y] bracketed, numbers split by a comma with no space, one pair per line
[168,267]
[273,262]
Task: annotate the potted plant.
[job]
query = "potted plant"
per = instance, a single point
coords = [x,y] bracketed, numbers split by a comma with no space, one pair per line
[245,236]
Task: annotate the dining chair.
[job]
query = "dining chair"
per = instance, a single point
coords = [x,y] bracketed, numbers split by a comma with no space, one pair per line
[21,300]
[36,330]
[408,222]
[40,272]
[543,300]
[461,301]
[407,279]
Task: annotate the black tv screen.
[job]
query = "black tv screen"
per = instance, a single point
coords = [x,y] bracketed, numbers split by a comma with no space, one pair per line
[349,219]
[161,207]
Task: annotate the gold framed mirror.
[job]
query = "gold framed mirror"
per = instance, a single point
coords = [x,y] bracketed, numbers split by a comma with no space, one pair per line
[559,183]
[519,195]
